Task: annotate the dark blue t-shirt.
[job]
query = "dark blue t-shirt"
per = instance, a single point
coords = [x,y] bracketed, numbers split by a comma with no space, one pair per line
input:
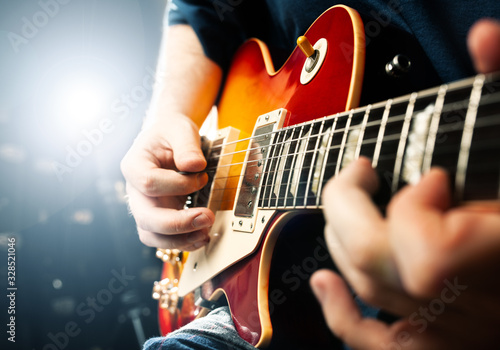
[440,26]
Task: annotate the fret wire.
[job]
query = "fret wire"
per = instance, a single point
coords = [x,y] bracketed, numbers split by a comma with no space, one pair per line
[468,130]
[433,129]
[325,160]
[269,165]
[381,132]
[313,160]
[344,139]
[301,160]
[362,131]
[393,119]
[374,123]
[284,159]
[293,168]
[273,183]
[291,164]
[366,142]
[441,153]
[282,166]
[447,128]
[402,143]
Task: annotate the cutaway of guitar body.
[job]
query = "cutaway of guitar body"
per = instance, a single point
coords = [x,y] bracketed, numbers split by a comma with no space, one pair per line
[253,87]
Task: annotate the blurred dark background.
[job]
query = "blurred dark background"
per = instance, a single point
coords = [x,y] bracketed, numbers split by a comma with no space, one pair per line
[75,81]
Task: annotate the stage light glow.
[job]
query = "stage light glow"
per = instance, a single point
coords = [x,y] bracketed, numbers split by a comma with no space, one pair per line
[80,101]
[12,153]
[83,217]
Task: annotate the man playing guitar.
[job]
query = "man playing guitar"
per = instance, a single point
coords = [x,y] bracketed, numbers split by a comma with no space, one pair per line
[165,164]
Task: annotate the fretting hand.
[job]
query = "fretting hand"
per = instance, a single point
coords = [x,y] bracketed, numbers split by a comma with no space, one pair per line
[432,265]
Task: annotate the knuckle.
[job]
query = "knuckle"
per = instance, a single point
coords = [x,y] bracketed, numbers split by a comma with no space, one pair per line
[149,184]
[145,238]
[179,225]
[124,166]
[176,223]
[142,224]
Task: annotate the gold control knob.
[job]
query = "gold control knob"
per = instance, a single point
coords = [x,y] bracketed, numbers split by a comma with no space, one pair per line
[306,47]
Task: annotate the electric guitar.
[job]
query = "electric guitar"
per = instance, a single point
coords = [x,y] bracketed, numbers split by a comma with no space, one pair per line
[282,135]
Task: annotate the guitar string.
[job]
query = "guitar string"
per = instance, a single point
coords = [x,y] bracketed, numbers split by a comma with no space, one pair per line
[267,186]
[446,128]
[305,193]
[482,122]
[391,120]
[294,129]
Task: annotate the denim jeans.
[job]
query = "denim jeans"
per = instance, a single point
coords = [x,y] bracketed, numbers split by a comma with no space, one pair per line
[216,331]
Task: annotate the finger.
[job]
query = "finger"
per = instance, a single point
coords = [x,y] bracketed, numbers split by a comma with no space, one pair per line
[473,245]
[185,142]
[157,182]
[381,289]
[171,222]
[342,315]
[165,215]
[186,242]
[346,322]
[353,217]
[483,42]
[416,232]
[143,170]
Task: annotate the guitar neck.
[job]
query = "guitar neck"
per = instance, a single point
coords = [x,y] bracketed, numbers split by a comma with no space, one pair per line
[455,126]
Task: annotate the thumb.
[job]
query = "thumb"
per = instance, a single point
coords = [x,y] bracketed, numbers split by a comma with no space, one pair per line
[339,309]
[184,138]
[344,317]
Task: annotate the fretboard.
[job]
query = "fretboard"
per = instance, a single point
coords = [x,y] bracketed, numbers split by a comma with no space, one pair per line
[455,126]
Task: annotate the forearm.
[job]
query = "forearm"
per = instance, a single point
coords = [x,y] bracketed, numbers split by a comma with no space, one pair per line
[187,81]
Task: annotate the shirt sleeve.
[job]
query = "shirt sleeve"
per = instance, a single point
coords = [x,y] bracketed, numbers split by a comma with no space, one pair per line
[220,26]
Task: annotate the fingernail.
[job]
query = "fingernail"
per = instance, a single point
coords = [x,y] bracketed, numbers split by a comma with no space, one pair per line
[201,220]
